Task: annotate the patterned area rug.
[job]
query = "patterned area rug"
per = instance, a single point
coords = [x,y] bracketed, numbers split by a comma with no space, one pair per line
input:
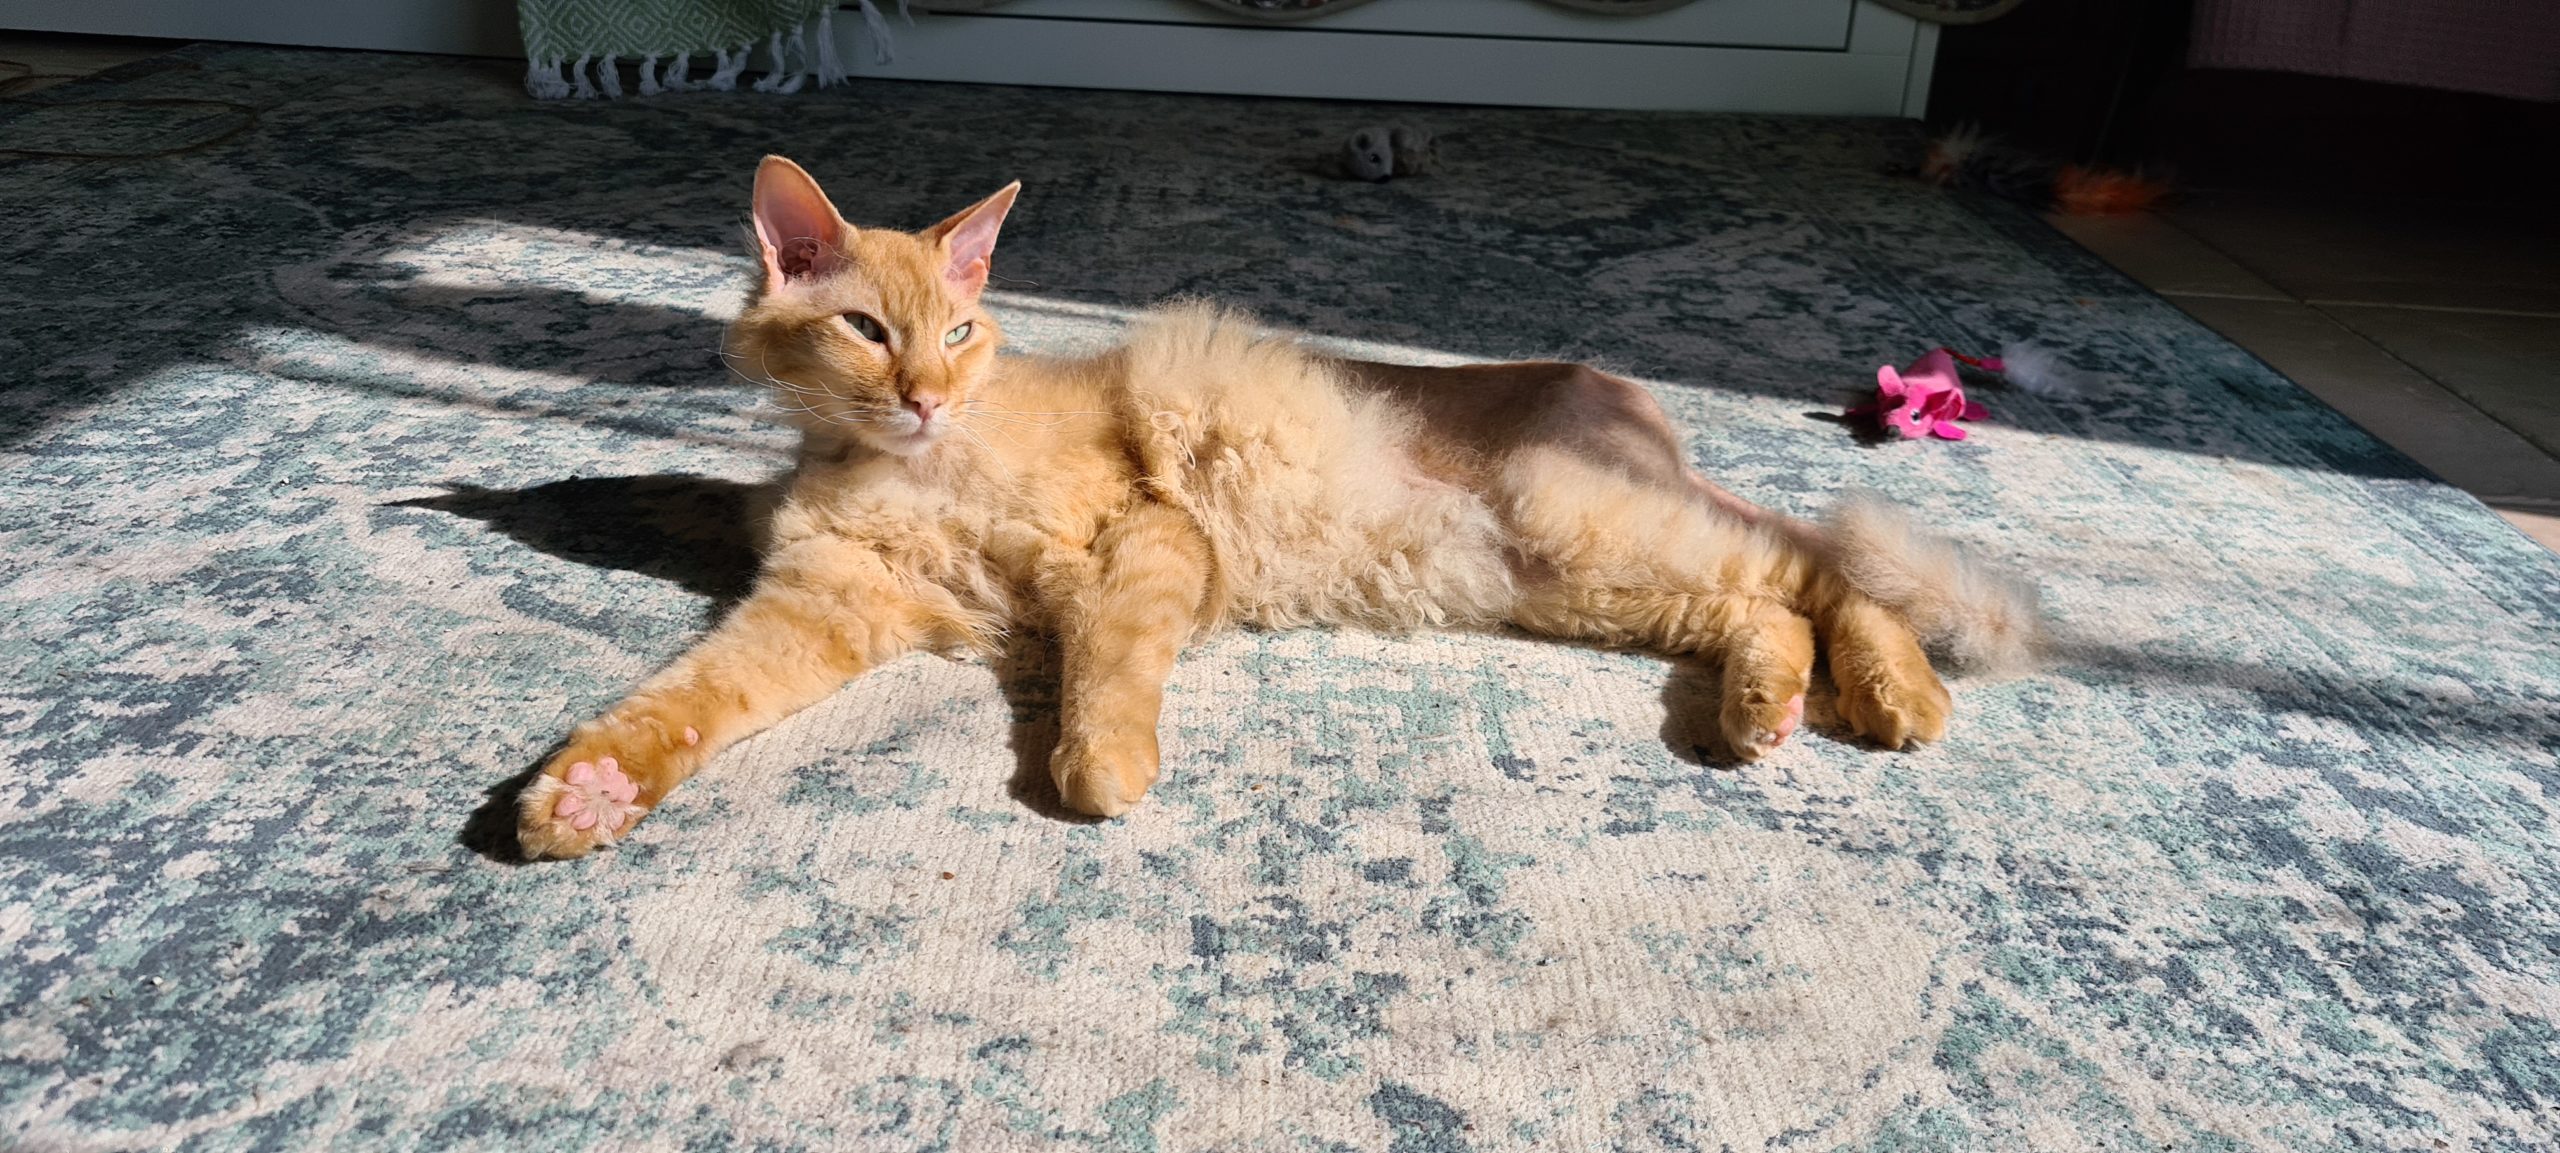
[349,458]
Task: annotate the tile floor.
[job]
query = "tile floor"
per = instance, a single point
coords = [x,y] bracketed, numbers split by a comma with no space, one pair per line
[2435,326]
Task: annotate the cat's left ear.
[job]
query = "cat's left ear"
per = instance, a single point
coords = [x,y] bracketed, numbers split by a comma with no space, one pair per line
[968,239]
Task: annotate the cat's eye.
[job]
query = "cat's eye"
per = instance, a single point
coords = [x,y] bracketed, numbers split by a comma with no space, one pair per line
[867,328]
[959,334]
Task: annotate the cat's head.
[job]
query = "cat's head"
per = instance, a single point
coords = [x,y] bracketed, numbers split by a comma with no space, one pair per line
[870,333]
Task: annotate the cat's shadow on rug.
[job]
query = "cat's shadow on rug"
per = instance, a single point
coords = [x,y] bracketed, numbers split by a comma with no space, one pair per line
[697,531]
[701,533]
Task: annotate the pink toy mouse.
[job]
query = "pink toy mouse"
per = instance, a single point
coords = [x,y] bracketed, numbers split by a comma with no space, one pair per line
[1924,399]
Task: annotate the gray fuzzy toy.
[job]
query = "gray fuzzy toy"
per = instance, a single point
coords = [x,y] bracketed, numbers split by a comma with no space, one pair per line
[1379,152]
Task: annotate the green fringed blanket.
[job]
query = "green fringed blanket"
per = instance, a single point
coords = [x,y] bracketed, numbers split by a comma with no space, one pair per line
[568,41]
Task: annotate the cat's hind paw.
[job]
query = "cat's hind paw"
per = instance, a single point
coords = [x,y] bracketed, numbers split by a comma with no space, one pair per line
[1755,729]
[1900,714]
[571,809]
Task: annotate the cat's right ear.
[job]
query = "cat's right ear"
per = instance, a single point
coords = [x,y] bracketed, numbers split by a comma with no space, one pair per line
[798,229]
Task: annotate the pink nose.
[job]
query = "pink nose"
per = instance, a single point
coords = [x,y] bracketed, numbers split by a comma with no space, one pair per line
[924,407]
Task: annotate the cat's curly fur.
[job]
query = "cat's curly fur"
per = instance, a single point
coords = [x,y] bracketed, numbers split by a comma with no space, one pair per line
[1208,472]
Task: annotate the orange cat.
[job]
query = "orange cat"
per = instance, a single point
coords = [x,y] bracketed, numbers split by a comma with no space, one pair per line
[1207,473]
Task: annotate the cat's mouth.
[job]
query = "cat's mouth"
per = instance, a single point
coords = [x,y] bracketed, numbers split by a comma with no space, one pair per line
[905,434]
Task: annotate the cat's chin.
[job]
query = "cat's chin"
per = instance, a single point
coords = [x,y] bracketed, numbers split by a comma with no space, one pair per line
[910,444]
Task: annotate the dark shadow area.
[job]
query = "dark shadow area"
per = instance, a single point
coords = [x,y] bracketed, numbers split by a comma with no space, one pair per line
[1028,674]
[696,531]
[1128,202]
[2108,82]
[1693,696]
[1864,430]
[2365,704]
[490,830]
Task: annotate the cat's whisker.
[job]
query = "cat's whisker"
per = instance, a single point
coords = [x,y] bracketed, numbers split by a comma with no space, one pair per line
[786,392]
[794,405]
[991,453]
[836,418]
[805,393]
[779,384]
[1032,412]
[1011,439]
[1012,420]
[729,360]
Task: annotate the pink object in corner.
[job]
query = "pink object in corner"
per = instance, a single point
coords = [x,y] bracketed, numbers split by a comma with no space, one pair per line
[1925,399]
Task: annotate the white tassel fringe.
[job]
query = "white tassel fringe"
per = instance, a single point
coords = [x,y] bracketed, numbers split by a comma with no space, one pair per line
[809,54]
[725,79]
[543,81]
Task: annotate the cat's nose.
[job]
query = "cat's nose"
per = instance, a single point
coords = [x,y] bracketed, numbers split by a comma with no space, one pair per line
[924,407]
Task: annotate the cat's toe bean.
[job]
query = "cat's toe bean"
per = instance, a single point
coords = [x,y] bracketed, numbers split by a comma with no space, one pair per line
[571,809]
[1754,729]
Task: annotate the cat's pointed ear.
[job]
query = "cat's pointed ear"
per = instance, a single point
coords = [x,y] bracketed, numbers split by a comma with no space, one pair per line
[968,239]
[797,227]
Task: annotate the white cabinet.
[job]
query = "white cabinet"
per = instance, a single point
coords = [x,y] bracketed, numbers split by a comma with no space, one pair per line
[1815,56]
[1810,56]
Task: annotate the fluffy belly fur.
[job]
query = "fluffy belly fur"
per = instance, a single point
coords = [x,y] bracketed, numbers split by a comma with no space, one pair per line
[1311,495]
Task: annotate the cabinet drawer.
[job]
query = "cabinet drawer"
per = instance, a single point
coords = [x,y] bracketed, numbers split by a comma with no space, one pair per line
[1707,23]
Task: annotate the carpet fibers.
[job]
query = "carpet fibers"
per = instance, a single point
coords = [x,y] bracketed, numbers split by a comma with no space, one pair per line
[366,435]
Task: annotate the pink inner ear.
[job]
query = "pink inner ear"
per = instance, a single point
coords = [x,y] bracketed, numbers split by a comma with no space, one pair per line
[802,234]
[973,245]
[969,239]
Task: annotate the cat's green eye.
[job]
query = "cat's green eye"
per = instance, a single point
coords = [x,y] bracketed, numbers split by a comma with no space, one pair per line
[867,328]
[959,334]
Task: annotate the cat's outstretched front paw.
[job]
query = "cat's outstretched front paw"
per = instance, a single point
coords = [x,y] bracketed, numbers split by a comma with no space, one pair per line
[1104,778]
[579,802]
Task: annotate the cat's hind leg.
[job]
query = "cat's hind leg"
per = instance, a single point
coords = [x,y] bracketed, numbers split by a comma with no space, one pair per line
[1137,598]
[1620,562]
[815,619]
[1764,649]
[1888,692]
[1768,663]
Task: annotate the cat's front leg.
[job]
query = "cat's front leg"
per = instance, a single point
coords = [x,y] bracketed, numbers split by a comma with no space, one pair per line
[1120,632]
[812,623]
[613,771]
